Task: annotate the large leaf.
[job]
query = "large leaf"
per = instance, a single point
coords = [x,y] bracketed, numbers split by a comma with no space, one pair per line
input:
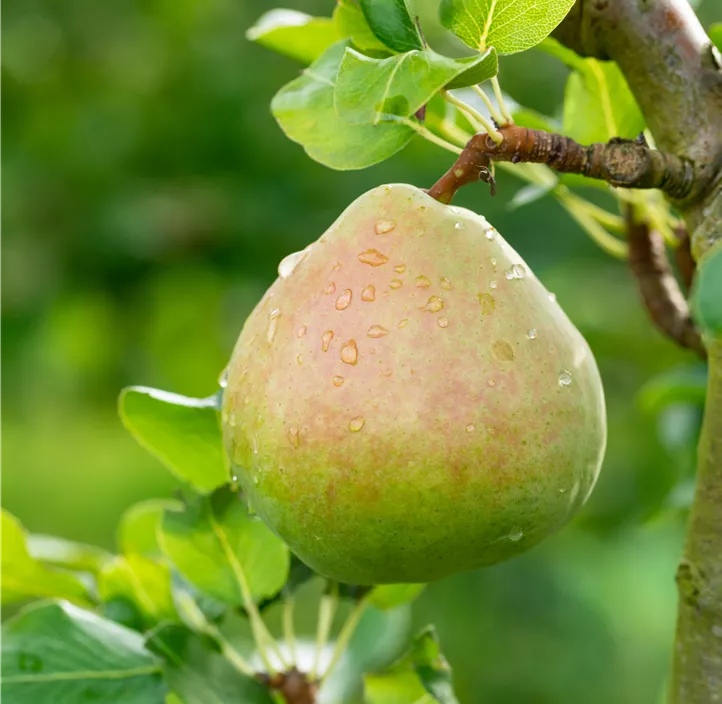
[182,432]
[222,550]
[294,34]
[707,292]
[56,653]
[351,23]
[24,577]
[197,672]
[391,23]
[598,104]
[372,90]
[395,687]
[67,554]
[431,667]
[388,596]
[142,581]
[305,111]
[139,524]
[507,25]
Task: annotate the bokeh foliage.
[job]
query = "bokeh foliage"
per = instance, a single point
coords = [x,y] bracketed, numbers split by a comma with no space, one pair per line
[148,198]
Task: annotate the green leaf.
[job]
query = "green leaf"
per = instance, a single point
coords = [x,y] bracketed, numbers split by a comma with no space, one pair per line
[388,596]
[56,653]
[138,527]
[294,34]
[525,117]
[431,666]
[69,555]
[222,551]
[351,23]
[372,90]
[24,577]
[598,104]
[507,25]
[391,23]
[142,581]
[707,292]
[715,34]
[394,687]
[481,68]
[182,432]
[198,673]
[304,108]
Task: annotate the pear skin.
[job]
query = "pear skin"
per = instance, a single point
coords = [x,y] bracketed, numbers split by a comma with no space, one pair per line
[408,401]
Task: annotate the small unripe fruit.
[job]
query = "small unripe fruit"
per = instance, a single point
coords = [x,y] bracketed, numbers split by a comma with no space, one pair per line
[408,401]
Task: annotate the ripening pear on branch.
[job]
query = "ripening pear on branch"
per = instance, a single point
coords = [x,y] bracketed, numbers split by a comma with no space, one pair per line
[408,401]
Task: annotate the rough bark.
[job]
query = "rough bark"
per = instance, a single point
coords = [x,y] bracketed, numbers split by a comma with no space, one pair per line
[674,72]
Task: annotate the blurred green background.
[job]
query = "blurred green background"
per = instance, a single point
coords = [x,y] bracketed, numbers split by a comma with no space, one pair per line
[148,198]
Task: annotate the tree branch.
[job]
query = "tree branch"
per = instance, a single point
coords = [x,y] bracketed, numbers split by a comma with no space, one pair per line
[620,162]
[675,73]
[658,288]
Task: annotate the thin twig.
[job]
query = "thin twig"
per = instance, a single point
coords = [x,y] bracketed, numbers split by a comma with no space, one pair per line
[508,119]
[326,612]
[622,163]
[493,111]
[345,635]
[289,632]
[475,115]
[658,288]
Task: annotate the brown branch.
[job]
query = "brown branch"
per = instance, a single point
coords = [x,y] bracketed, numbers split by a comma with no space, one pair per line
[622,163]
[675,74]
[686,264]
[658,287]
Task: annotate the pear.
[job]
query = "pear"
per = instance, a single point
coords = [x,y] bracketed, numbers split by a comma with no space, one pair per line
[408,401]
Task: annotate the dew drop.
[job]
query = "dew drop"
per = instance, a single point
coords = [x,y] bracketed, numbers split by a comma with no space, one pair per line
[223,378]
[516,534]
[562,491]
[403,323]
[503,351]
[293,436]
[487,303]
[338,381]
[384,226]
[377,331]
[368,294]
[470,428]
[331,288]
[552,297]
[387,373]
[372,257]
[337,265]
[531,334]
[349,353]
[422,282]
[442,322]
[433,305]
[454,209]
[490,234]
[516,271]
[491,382]
[299,359]
[343,301]
[492,284]
[301,331]
[458,225]
[289,263]
[273,317]
[565,378]
[326,340]
[400,268]
[355,424]
[445,283]
[232,419]
[396,283]
[492,260]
